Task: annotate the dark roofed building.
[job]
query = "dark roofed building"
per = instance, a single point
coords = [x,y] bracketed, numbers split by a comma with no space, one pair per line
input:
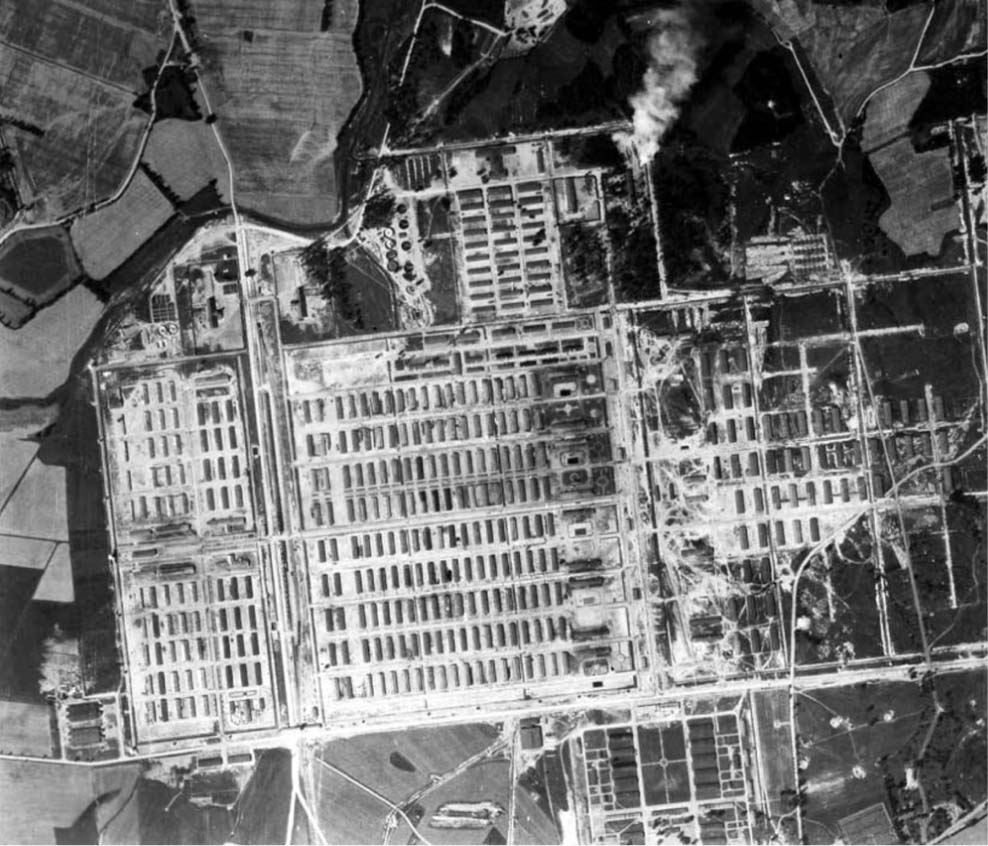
[531,734]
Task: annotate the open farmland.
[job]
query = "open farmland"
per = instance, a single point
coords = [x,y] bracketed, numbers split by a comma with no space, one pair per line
[533,820]
[487,781]
[855,49]
[920,185]
[118,816]
[56,581]
[13,312]
[186,157]
[290,15]
[36,797]
[107,39]
[396,764]
[16,551]
[37,506]
[37,361]
[345,813]
[106,238]
[282,94]
[69,74]
[264,805]
[18,453]
[36,265]
[24,728]
[957,27]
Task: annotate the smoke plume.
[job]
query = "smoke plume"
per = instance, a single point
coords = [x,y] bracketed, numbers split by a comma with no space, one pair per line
[673,48]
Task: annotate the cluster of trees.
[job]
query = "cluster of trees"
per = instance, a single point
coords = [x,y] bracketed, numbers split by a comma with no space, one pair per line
[429,69]
[328,269]
[8,193]
[402,106]
[586,261]
[326,20]
[173,96]
[379,210]
[636,273]
[593,151]
[695,221]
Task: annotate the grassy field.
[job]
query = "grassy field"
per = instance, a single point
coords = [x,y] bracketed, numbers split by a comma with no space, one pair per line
[771,713]
[163,817]
[372,291]
[866,740]
[291,15]
[486,781]
[36,360]
[263,807]
[17,453]
[532,824]
[25,552]
[36,797]
[371,759]
[69,74]
[878,731]
[301,830]
[37,265]
[14,313]
[846,580]
[38,506]
[901,366]
[920,185]
[24,728]
[107,238]
[56,583]
[119,811]
[281,140]
[127,34]
[155,253]
[346,814]
[440,267]
[966,623]
[854,49]
[957,27]
[954,760]
[445,47]
[186,156]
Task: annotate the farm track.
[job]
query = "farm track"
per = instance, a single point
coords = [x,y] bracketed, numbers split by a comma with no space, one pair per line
[99,80]
[67,218]
[395,809]
[438,781]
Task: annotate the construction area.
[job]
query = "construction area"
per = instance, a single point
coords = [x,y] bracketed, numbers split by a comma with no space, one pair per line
[541,505]
[487,224]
